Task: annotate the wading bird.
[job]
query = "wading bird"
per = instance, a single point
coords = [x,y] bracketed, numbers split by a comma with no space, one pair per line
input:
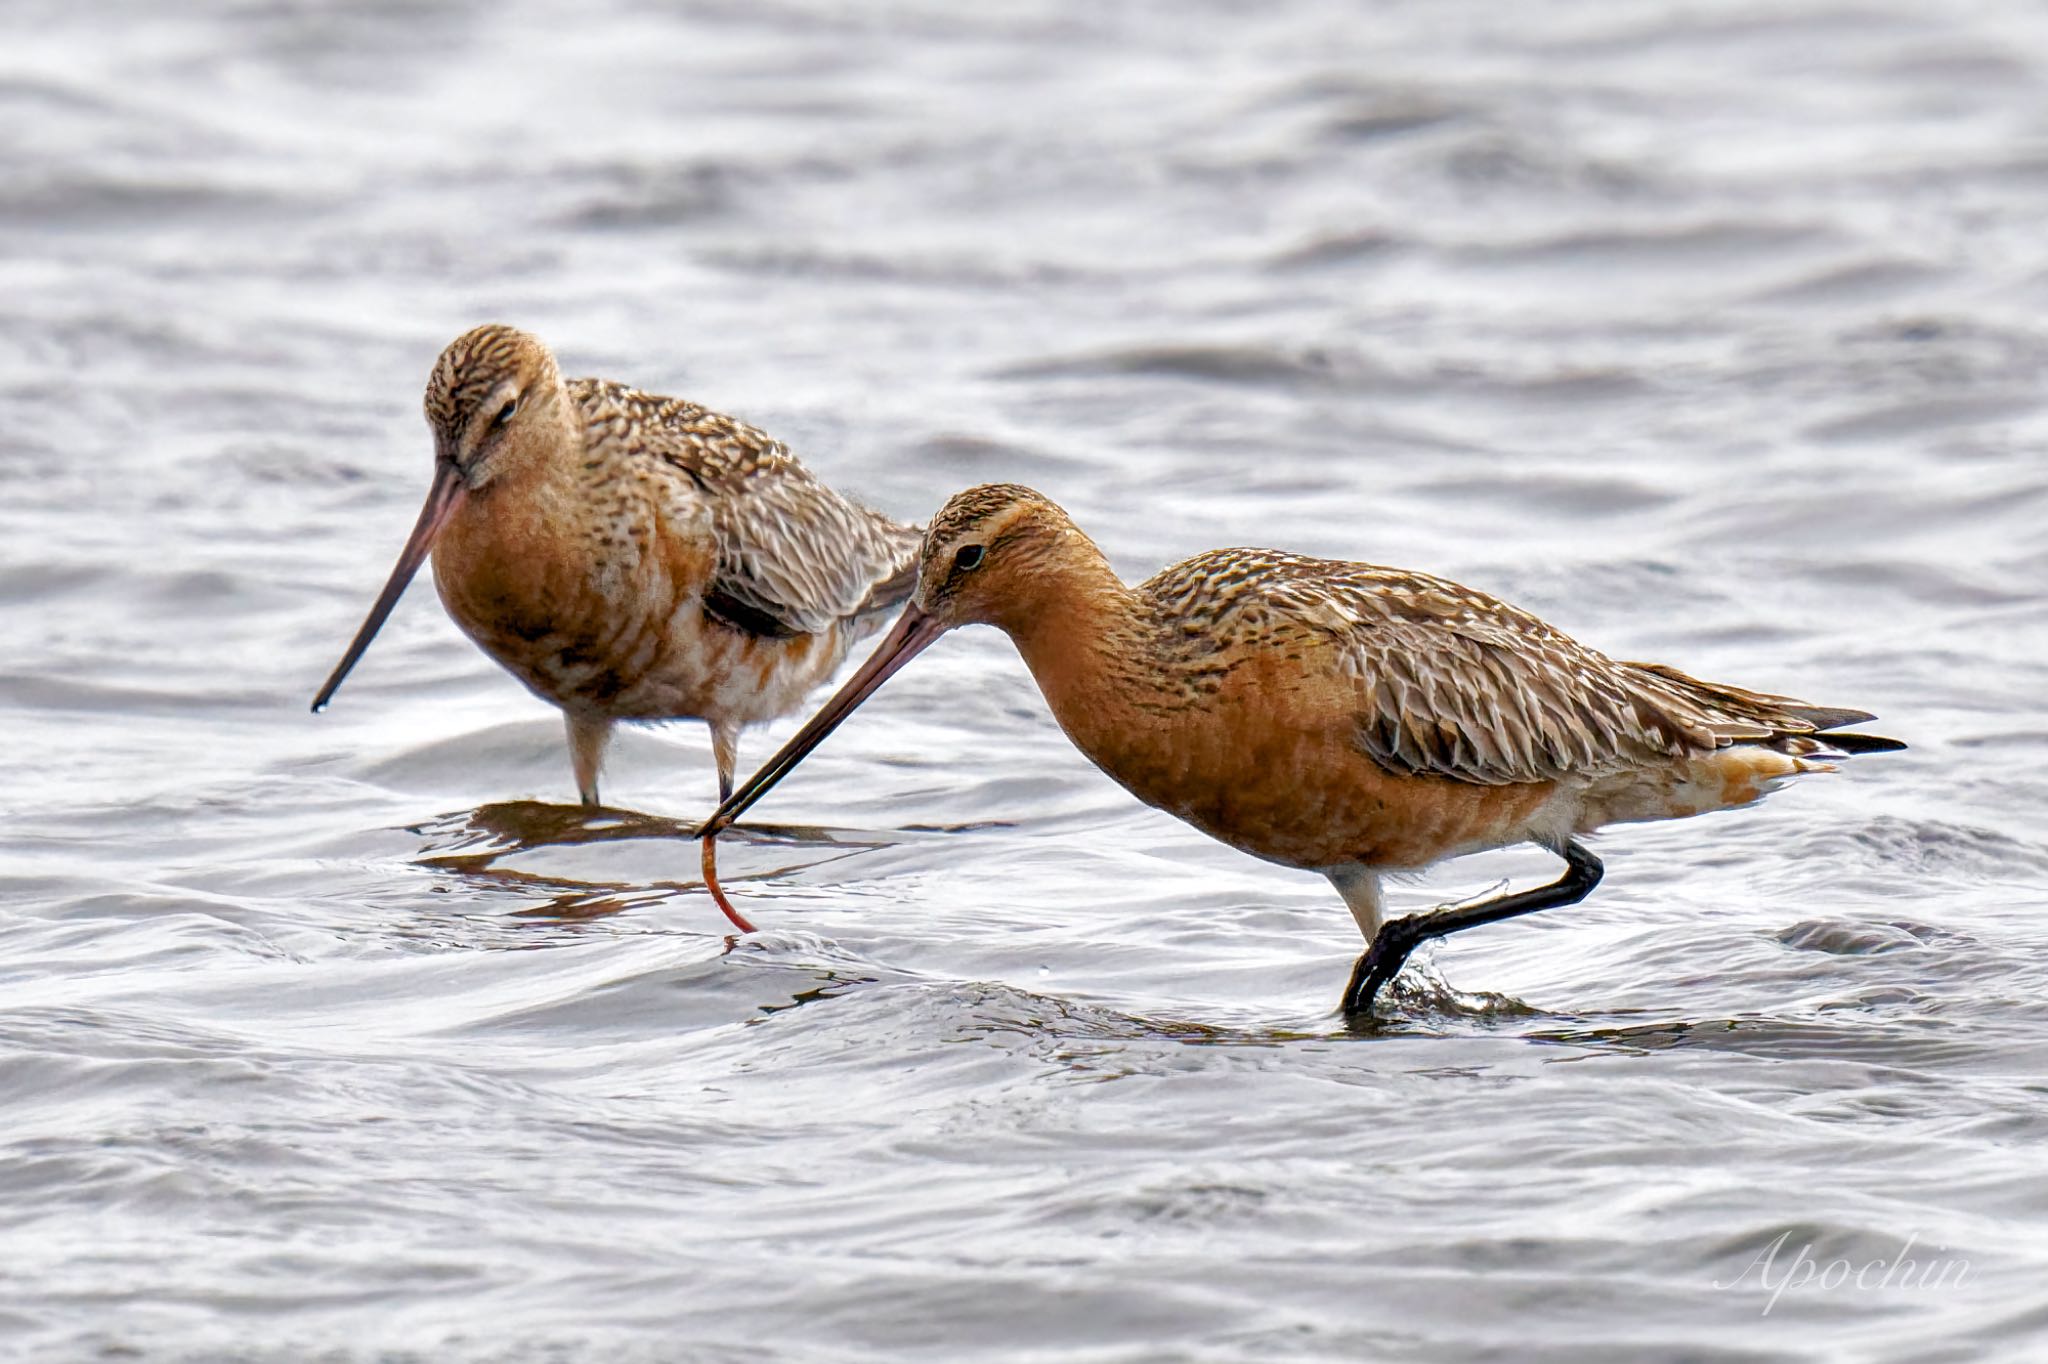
[1338,717]
[633,557]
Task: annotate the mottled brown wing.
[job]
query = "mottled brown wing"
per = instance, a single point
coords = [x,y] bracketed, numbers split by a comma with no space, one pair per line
[1454,683]
[793,556]
[798,552]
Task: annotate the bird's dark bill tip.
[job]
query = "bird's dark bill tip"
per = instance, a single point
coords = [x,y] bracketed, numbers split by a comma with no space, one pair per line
[1863,743]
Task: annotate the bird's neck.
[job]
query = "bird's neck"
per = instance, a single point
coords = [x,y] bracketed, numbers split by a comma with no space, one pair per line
[1083,634]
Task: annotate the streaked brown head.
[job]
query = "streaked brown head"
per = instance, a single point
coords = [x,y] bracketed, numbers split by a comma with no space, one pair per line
[494,399]
[993,552]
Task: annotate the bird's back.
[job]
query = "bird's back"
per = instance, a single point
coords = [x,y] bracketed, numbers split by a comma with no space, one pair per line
[793,572]
[1318,710]
[793,555]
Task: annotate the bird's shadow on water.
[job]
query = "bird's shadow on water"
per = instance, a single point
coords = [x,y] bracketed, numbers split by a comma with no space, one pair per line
[485,847]
[561,882]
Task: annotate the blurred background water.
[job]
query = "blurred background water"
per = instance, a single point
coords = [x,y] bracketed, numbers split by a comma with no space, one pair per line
[1709,331]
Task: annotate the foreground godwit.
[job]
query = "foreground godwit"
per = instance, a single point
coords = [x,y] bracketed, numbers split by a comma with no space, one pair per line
[1334,716]
[632,557]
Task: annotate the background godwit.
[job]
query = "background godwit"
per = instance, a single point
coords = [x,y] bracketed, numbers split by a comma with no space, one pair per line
[1338,717]
[634,557]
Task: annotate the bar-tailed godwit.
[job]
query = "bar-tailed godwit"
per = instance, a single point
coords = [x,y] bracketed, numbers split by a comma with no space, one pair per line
[633,557]
[1338,717]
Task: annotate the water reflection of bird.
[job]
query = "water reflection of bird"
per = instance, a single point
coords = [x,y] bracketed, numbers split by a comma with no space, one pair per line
[1335,716]
[632,557]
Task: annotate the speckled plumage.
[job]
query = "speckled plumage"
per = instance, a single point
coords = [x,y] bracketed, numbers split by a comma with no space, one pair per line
[1339,717]
[634,557]
[1454,683]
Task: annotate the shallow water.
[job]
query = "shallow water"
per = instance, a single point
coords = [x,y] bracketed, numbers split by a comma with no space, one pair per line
[1711,332]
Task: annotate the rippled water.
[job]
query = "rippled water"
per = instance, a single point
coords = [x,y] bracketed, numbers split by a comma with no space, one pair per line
[1711,332]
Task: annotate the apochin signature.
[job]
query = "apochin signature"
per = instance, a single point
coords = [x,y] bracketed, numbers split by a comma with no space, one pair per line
[1801,1270]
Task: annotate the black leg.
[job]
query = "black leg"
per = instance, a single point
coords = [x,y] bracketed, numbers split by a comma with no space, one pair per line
[1398,937]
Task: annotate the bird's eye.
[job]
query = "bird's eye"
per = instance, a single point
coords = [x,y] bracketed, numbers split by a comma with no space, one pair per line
[969,558]
[505,413]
